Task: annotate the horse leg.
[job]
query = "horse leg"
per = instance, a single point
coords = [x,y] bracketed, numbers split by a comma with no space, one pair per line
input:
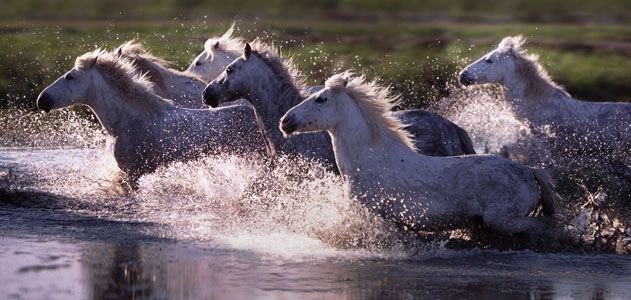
[126,182]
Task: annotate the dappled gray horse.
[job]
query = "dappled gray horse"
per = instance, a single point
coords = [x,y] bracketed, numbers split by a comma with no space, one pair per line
[588,140]
[273,85]
[218,53]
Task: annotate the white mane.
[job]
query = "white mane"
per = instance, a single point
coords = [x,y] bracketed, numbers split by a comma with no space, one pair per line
[538,81]
[136,89]
[226,43]
[375,102]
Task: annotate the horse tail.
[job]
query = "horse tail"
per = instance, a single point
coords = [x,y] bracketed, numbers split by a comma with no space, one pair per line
[548,194]
[465,141]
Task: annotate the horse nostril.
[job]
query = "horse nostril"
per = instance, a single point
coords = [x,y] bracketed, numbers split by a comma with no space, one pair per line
[210,98]
[465,79]
[286,120]
[287,125]
[45,102]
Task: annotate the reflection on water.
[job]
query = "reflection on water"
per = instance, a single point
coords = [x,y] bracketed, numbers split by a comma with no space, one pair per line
[101,270]
[189,234]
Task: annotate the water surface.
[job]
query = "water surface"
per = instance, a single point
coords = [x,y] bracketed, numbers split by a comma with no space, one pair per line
[190,233]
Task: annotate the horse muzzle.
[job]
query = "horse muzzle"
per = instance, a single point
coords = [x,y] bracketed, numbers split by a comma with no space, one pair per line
[288,125]
[45,102]
[211,97]
[465,78]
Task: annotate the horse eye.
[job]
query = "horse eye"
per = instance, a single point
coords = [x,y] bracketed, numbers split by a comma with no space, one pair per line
[320,99]
[69,76]
[228,70]
[198,63]
[488,61]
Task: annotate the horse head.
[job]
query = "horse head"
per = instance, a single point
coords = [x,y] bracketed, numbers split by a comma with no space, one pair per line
[495,66]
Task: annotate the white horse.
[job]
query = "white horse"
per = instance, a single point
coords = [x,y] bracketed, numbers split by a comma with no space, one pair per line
[184,88]
[148,131]
[218,53]
[380,166]
[273,85]
[579,127]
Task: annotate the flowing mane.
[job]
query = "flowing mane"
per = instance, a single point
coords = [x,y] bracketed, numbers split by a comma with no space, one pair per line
[226,43]
[292,81]
[148,63]
[135,88]
[135,49]
[375,102]
[538,81]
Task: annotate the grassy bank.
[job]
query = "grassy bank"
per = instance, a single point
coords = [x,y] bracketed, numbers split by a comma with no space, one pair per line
[419,59]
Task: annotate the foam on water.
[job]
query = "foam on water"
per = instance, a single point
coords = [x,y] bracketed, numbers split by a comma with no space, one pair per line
[487,117]
[65,128]
[298,209]
[204,202]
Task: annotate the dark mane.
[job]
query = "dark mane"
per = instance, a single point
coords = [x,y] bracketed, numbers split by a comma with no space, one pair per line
[292,82]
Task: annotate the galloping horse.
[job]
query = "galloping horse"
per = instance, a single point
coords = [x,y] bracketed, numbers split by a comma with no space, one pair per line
[591,126]
[148,130]
[590,140]
[273,85]
[218,53]
[379,166]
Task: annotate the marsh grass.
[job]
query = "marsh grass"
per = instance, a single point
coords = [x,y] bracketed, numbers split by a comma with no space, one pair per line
[418,59]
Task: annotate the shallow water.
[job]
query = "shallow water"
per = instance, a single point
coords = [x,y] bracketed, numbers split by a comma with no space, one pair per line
[188,234]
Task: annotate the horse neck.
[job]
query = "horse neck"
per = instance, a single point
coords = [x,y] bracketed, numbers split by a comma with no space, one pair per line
[178,82]
[114,112]
[359,152]
[533,100]
[270,107]
[222,59]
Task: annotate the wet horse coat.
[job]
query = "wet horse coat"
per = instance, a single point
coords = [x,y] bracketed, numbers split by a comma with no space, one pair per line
[149,131]
[273,85]
[584,128]
[184,88]
[381,168]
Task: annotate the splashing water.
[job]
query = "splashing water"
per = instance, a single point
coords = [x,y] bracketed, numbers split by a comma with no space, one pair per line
[64,218]
[484,112]
[204,201]
[486,116]
[69,128]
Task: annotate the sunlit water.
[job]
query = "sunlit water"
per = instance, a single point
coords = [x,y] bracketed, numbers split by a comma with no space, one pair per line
[193,231]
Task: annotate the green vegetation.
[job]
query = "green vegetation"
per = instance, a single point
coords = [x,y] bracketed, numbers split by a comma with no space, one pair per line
[507,10]
[417,46]
[419,59]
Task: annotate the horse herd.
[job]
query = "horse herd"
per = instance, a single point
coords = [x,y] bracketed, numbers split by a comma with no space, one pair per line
[412,167]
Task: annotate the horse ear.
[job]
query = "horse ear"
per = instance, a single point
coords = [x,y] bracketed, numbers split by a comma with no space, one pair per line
[92,63]
[216,45]
[247,51]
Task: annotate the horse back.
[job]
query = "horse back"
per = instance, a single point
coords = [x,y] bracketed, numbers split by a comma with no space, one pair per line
[435,135]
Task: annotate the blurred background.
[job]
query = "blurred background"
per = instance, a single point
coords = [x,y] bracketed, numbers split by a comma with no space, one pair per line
[417,46]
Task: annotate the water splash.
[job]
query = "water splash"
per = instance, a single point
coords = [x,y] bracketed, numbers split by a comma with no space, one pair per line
[70,128]
[206,201]
[482,111]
